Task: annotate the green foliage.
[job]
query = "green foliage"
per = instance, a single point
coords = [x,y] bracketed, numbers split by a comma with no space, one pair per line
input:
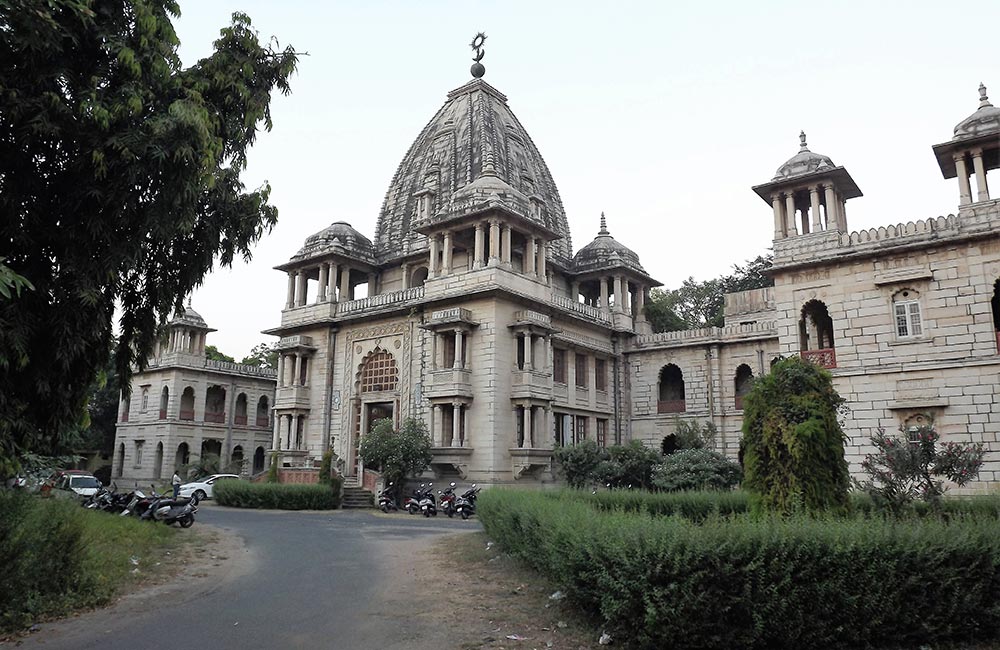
[757,582]
[689,434]
[578,463]
[628,465]
[121,189]
[263,355]
[200,466]
[212,352]
[326,468]
[693,505]
[793,446]
[57,557]
[397,454]
[278,496]
[272,469]
[905,468]
[11,283]
[697,469]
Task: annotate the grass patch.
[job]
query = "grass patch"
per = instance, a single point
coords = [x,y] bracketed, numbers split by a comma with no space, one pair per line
[58,557]
[278,496]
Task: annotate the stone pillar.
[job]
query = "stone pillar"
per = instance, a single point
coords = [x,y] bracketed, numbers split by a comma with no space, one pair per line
[640,300]
[290,299]
[817,224]
[542,255]
[526,426]
[439,433]
[477,262]
[548,353]
[505,244]
[406,276]
[276,433]
[964,189]
[842,216]
[465,427]
[779,216]
[297,369]
[832,220]
[435,440]
[574,290]
[345,283]
[372,284]
[288,431]
[434,350]
[790,215]
[528,344]
[432,266]
[619,294]
[324,270]
[331,282]
[447,253]
[530,255]
[494,242]
[977,164]
[458,349]
[456,422]
[604,294]
[281,370]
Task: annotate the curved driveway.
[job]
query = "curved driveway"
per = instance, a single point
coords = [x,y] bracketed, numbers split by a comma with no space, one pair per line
[312,580]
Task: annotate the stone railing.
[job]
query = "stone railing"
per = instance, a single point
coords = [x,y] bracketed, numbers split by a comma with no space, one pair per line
[762,328]
[573,305]
[380,300]
[241,368]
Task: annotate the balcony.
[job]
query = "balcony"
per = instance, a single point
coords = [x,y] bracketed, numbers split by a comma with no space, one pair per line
[825,358]
[527,384]
[450,382]
[288,397]
[240,420]
[451,460]
[671,406]
[218,418]
[263,421]
[529,461]
[187,415]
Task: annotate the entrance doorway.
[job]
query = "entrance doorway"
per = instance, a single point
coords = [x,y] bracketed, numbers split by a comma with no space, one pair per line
[367,415]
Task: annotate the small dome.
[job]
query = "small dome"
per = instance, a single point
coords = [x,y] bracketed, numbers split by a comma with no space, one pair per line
[606,252]
[339,234]
[804,162]
[188,317]
[985,121]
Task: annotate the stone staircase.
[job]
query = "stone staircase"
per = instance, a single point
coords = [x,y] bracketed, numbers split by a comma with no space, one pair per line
[357,497]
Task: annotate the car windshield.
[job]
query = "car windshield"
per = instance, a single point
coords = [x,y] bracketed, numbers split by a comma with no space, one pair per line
[84,482]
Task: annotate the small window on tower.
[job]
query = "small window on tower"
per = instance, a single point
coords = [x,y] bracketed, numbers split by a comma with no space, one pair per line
[906,314]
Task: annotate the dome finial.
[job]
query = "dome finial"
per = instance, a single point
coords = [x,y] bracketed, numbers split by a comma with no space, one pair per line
[478,69]
[984,101]
[189,302]
[604,225]
[488,169]
[802,141]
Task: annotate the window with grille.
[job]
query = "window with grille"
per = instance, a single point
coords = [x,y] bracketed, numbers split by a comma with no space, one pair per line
[581,371]
[600,374]
[379,373]
[581,428]
[559,366]
[602,433]
[906,310]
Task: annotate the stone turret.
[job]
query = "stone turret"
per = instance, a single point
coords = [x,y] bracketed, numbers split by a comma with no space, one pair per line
[976,141]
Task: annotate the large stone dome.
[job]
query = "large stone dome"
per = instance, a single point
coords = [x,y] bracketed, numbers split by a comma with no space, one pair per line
[606,252]
[474,128]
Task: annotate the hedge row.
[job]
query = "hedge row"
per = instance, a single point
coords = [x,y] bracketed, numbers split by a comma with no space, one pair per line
[57,557]
[278,496]
[767,583]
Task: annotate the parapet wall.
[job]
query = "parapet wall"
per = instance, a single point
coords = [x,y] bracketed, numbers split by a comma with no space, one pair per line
[702,335]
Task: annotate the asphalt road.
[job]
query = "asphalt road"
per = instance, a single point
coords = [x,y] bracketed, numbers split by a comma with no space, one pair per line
[310,580]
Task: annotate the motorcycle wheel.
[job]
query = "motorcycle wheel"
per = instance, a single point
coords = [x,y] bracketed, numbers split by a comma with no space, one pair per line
[427,513]
[465,515]
[434,513]
[451,513]
[186,522]
[384,509]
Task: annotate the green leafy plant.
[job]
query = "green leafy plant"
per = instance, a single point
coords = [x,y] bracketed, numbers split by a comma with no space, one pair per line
[697,469]
[272,469]
[397,454]
[628,465]
[326,468]
[914,465]
[578,463]
[689,434]
[793,445]
[278,496]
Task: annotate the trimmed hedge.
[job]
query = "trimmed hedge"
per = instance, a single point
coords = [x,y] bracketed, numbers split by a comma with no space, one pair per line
[740,582]
[278,496]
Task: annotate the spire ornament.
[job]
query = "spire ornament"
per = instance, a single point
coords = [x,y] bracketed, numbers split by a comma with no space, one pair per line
[478,69]
[984,101]
[802,142]
[604,226]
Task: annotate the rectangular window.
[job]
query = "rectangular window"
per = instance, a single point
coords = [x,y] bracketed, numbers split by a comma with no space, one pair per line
[448,341]
[138,452]
[602,433]
[600,374]
[558,433]
[908,319]
[559,366]
[581,371]
[581,428]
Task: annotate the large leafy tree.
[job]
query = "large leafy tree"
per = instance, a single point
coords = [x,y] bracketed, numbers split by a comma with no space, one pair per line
[119,186]
[397,454]
[263,355]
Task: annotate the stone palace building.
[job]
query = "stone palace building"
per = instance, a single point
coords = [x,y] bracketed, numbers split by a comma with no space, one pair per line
[481,319]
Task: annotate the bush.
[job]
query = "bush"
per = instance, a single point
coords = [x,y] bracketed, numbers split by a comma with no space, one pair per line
[742,582]
[272,469]
[57,557]
[694,506]
[578,463]
[278,496]
[793,446]
[326,468]
[629,465]
[697,469]
[397,454]
[689,434]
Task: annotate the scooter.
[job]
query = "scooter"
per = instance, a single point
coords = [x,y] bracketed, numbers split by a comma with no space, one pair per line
[465,505]
[447,504]
[428,504]
[169,511]
[387,499]
[412,504]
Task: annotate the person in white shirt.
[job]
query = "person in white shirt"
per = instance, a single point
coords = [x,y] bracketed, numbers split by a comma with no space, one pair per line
[176,482]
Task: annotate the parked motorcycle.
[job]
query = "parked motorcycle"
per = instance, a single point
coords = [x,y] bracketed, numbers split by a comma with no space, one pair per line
[412,504]
[387,499]
[447,503]
[428,503]
[465,505]
[169,510]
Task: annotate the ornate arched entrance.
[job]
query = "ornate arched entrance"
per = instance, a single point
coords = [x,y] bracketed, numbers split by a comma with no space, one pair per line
[377,395]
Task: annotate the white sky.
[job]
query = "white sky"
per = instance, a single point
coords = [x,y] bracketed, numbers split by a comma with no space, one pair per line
[661,114]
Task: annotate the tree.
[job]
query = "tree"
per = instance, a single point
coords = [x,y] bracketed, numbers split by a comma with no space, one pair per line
[689,434]
[213,353]
[397,454]
[121,185]
[263,355]
[793,446]
[578,463]
[628,465]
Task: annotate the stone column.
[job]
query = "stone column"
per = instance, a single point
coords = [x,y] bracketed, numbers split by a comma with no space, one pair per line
[977,164]
[297,369]
[964,188]
[435,440]
[640,299]
[345,283]
[447,253]
[832,220]
[372,284]
[542,255]
[530,255]
[817,224]
[790,215]
[439,415]
[290,299]
[528,344]
[324,269]
[288,432]
[406,276]
[477,262]
[505,244]
[526,427]
[432,266]
[276,433]
[604,294]
[779,216]
[456,422]
[281,370]
[458,349]
[619,295]
[842,218]
[548,353]
[574,290]
[331,283]
[465,427]
[494,242]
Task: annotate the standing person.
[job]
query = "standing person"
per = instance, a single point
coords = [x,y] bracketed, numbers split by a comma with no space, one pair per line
[176,483]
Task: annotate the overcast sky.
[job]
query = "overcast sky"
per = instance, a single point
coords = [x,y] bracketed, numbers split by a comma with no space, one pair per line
[662,115]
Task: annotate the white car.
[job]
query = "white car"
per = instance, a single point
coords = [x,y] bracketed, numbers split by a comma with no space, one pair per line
[202,488]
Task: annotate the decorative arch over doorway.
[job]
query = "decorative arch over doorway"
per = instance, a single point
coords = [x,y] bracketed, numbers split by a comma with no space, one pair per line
[376,389]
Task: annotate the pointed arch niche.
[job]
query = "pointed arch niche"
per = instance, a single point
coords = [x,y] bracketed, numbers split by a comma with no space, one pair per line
[376,397]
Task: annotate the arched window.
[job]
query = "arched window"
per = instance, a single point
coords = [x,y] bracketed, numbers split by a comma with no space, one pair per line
[671,390]
[126,407]
[419,277]
[816,334]
[182,457]
[263,412]
[120,469]
[742,383]
[164,400]
[215,404]
[236,460]
[158,461]
[211,447]
[906,314]
[144,404]
[241,410]
[379,372]
[258,460]
[187,404]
